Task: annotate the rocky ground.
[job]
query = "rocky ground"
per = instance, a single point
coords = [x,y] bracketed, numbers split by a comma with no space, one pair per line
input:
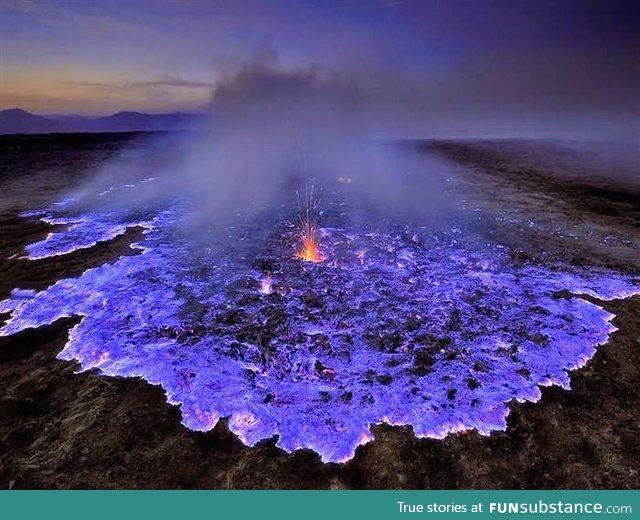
[59,429]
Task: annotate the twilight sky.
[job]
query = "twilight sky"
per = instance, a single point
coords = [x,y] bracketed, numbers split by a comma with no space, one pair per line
[505,59]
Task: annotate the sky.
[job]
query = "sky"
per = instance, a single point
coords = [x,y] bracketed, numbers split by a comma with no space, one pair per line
[507,60]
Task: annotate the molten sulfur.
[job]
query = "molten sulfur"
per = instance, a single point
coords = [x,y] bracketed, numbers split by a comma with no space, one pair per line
[309,251]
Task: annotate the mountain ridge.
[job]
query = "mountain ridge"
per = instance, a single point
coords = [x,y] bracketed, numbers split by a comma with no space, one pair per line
[20,121]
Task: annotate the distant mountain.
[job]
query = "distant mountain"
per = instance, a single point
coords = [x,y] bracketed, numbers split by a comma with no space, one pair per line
[17,121]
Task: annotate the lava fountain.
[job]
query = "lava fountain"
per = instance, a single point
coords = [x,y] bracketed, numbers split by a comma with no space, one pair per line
[310,251]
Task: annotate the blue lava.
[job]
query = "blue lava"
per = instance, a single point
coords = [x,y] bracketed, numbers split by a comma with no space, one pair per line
[435,331]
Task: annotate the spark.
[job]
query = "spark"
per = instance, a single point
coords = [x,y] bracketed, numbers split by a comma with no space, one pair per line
[310,251]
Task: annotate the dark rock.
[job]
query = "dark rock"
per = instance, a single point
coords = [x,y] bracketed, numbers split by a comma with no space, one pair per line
[384,379]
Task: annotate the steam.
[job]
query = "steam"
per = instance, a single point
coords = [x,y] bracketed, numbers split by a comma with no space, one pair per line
[269,131]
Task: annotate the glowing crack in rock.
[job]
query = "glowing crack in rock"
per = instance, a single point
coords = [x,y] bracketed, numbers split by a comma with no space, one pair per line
[435,331]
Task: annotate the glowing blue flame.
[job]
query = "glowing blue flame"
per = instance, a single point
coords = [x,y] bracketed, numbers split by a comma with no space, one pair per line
[438,335]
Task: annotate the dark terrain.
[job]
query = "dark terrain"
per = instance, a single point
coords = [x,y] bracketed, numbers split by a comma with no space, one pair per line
[59,429]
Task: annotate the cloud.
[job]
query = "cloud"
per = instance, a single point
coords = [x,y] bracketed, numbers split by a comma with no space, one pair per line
[167,80]
[25,6]
[56,16]
[164,81]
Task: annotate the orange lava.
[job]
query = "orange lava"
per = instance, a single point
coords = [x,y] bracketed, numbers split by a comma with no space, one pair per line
[308,227]
[309,252]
